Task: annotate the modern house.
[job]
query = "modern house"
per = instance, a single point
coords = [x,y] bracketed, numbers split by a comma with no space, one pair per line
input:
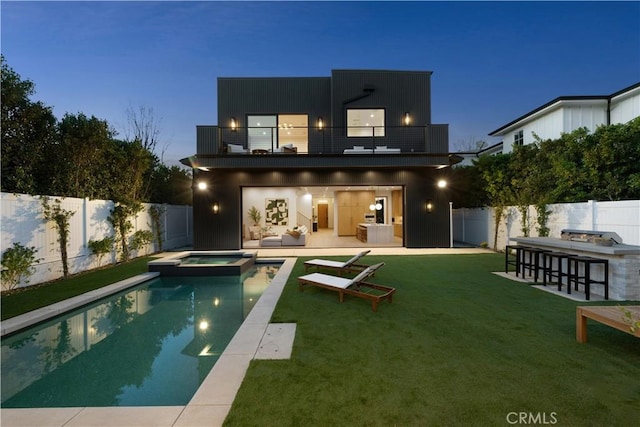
[354,154]
[568,113]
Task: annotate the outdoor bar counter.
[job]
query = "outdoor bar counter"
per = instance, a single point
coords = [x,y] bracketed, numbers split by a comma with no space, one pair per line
[624,262]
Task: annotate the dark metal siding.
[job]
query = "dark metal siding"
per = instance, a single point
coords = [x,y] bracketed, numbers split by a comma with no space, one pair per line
[311,161]
[223,230]
[395,91]
[438,139]
[238,97]
[206,139]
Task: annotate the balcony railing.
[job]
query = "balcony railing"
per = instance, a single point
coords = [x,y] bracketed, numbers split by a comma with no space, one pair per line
[389,140]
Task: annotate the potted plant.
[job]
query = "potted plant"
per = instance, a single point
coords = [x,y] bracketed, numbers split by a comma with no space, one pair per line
[255,215]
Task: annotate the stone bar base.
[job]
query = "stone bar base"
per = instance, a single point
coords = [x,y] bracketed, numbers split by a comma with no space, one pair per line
[624,263]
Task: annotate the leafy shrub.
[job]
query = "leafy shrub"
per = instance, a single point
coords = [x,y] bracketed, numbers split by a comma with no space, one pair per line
[156,213]
[17,264]
[60,218]
[140,239]
[100,248]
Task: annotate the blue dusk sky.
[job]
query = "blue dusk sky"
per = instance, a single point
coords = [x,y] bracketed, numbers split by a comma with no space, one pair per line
[492,61]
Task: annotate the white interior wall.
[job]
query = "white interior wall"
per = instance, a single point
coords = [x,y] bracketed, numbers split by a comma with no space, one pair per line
[257,196]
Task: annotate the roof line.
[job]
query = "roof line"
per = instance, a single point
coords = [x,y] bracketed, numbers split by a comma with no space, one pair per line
[565,98]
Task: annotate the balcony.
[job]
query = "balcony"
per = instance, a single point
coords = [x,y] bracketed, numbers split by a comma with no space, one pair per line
[267,147]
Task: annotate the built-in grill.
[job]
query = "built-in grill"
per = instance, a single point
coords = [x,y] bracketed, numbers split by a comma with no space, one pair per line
[589,236]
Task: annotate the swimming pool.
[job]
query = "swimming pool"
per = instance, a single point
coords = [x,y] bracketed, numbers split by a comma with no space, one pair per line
[150,345]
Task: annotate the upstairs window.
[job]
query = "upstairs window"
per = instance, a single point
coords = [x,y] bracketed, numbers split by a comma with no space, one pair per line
[518,138]
[365,122]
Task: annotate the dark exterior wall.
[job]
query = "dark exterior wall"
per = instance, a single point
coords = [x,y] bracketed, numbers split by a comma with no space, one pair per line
[238,97]
[206,139]
[395,91]
[223,230]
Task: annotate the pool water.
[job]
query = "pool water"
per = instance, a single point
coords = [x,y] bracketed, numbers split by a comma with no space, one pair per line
[151,345]
[209,259]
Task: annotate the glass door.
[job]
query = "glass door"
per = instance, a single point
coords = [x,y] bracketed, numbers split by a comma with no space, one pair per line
[262,132]
[293,131]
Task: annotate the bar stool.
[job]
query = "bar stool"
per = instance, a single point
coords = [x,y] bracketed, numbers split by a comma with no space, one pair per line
[586,278]
[549,272]
[516,262]
[531,261]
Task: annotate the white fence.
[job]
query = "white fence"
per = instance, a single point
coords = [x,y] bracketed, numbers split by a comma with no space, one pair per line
[22,222]
[475,226]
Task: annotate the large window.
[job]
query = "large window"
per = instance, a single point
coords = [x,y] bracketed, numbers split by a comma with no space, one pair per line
[269,132]
[365,122]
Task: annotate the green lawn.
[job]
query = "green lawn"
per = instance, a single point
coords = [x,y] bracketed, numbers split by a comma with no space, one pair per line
[21,301]
[459,346]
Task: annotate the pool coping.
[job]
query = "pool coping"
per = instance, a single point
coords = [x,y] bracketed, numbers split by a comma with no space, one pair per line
[212,401]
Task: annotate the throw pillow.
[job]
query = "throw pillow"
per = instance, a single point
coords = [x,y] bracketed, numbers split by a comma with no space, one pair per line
[294,233]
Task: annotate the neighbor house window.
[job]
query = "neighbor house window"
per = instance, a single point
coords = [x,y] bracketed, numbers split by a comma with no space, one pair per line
[518,138]
[365,122]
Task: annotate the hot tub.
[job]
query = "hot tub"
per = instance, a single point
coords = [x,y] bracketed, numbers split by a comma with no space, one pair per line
[204,263]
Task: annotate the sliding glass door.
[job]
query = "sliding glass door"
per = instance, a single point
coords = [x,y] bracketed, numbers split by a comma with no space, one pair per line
[270,132]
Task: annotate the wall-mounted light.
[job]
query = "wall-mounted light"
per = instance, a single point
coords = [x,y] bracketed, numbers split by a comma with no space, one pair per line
[215,207]
[202,185]
[429,205]
[406,119]
[320,124]
[442,183]
[372,207]
[234,124]
[378,206]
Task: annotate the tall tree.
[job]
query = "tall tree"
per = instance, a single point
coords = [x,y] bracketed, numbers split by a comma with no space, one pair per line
[28,131]
[130,166]
[613,162]
[171,185]
[81,156]
[566,160]
[143,127]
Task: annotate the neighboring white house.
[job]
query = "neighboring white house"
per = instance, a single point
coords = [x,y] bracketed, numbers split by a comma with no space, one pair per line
[566,114]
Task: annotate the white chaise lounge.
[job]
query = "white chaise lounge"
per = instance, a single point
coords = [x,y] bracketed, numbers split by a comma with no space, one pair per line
[349,265]
[357,286]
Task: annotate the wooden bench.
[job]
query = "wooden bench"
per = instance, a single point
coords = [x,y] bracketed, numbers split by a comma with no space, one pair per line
[610,315]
